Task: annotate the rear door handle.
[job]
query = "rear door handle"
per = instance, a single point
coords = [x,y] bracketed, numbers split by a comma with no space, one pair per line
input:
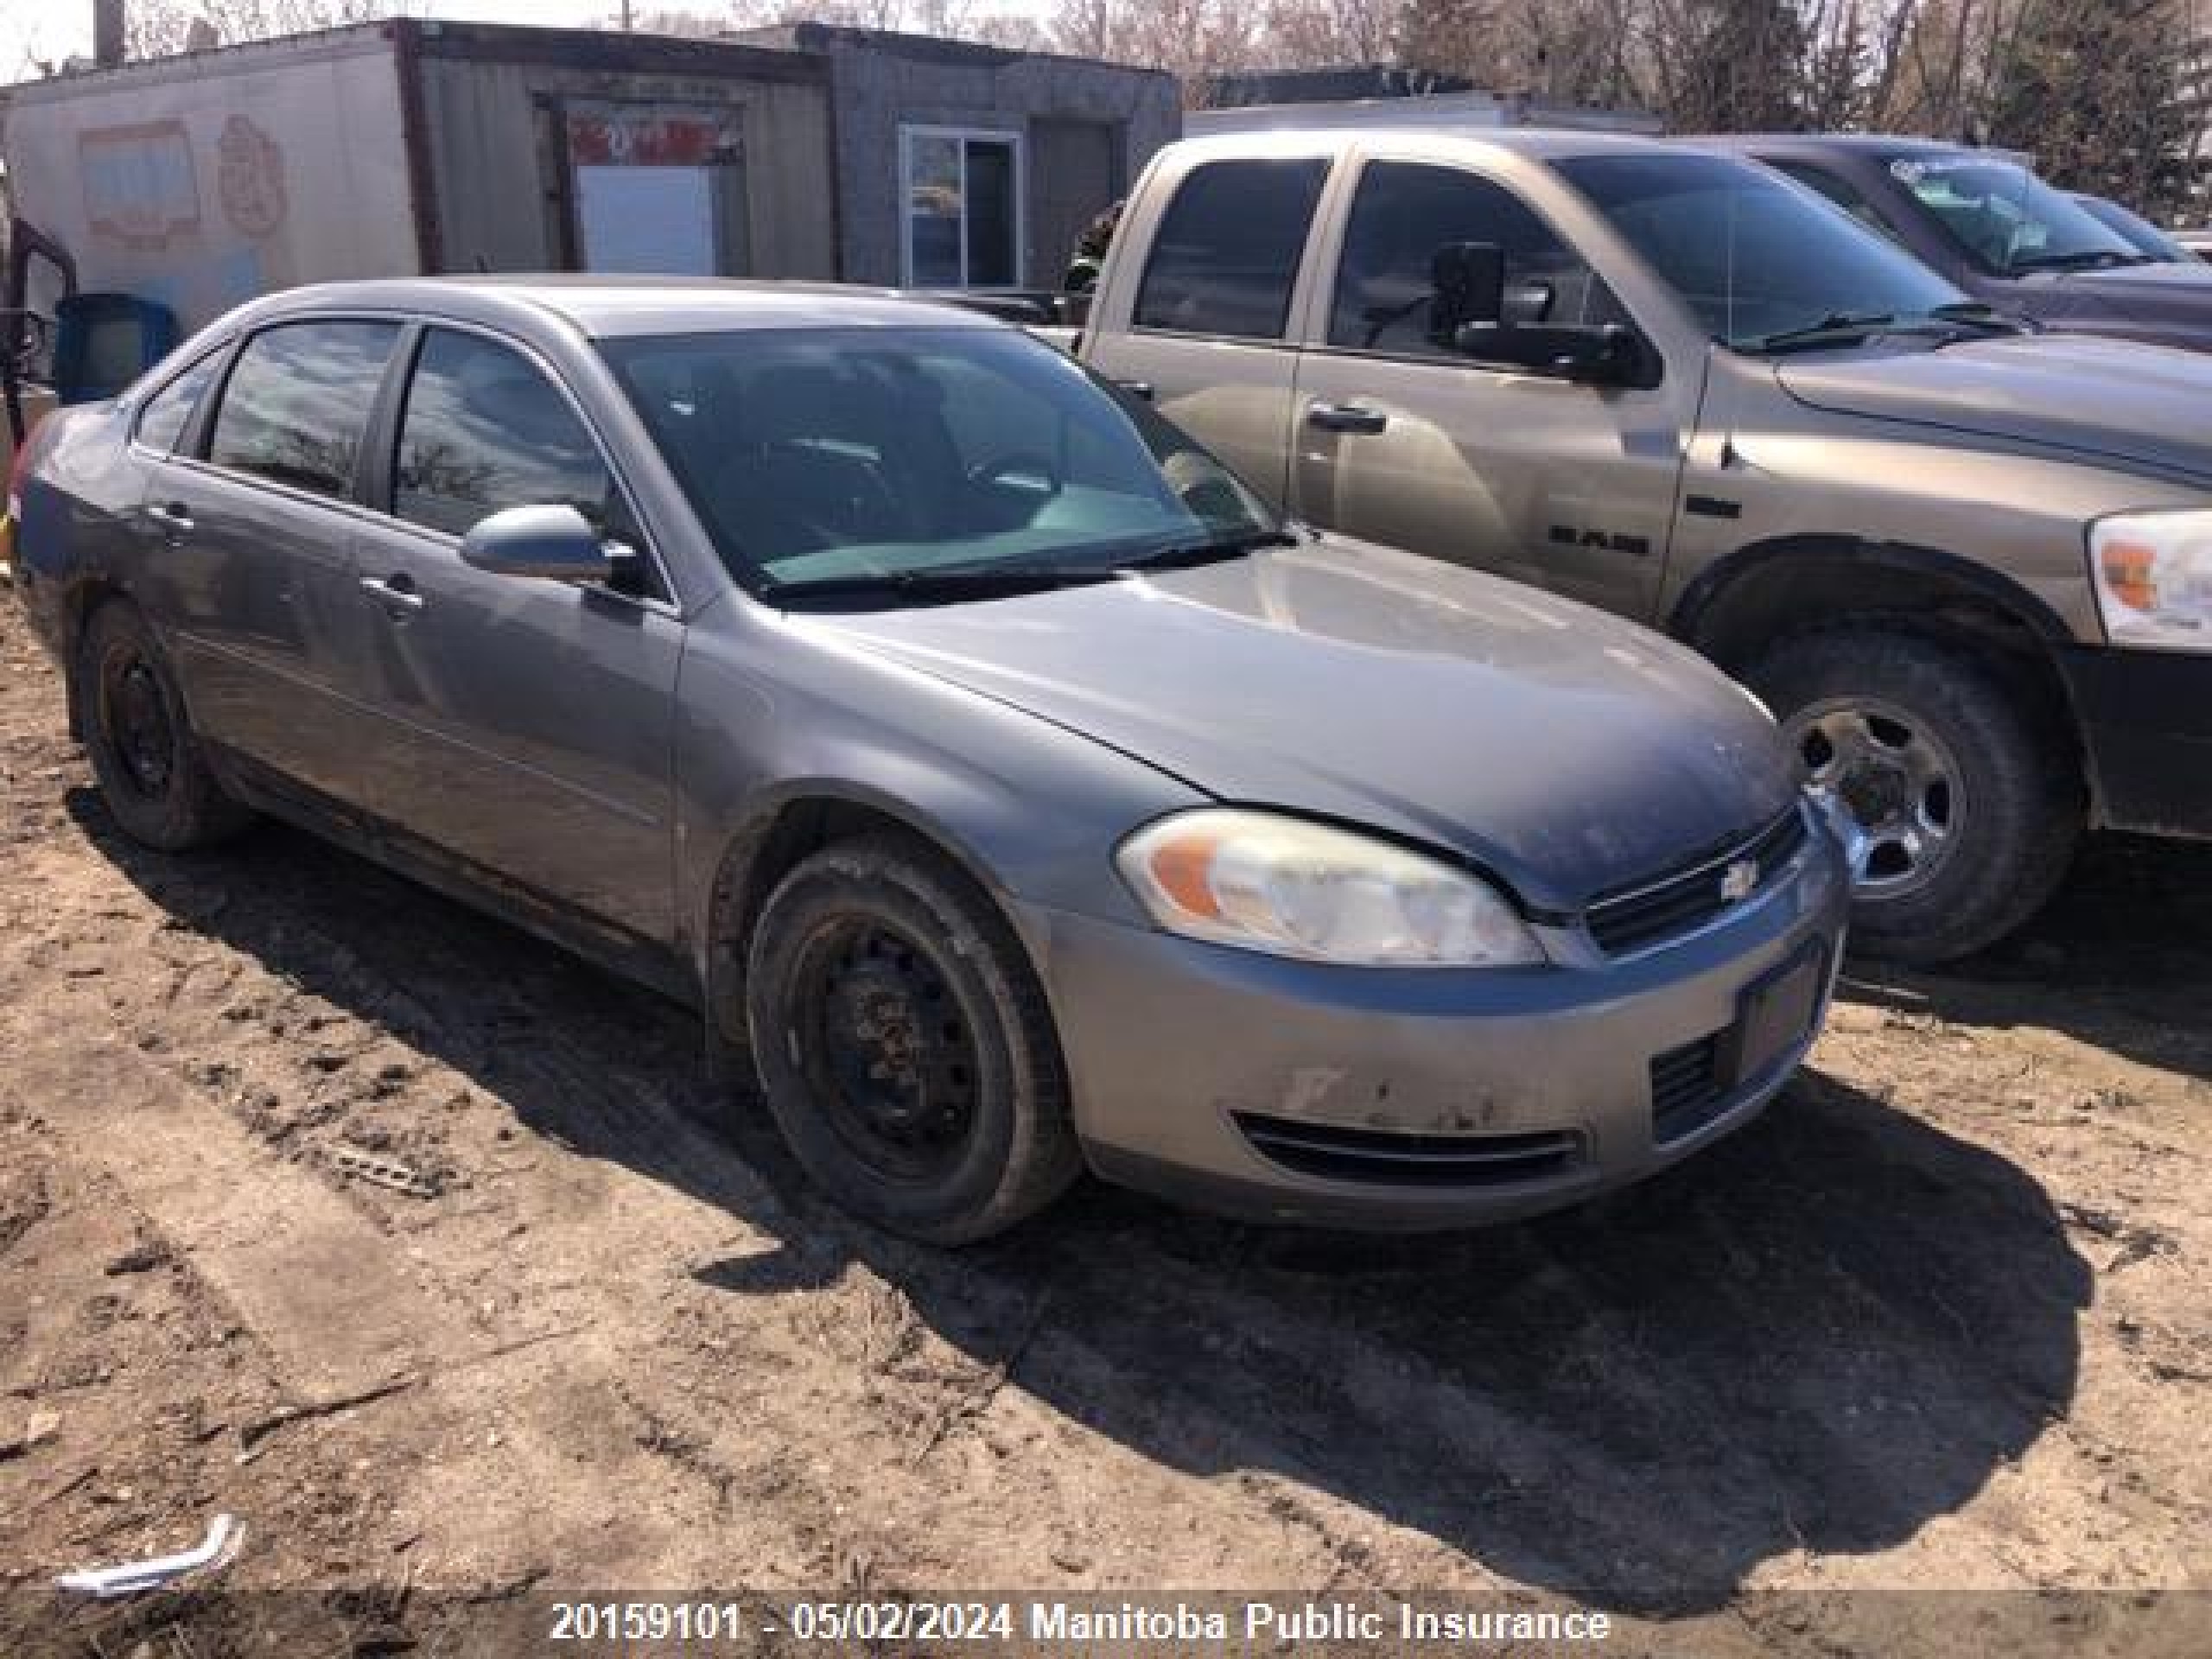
[174,517]
[397,594]
[1346,417]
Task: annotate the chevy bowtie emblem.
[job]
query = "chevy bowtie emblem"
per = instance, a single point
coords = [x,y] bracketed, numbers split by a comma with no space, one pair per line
[1737,880]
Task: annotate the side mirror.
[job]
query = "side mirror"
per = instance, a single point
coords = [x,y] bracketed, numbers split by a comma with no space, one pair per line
[555,543]
[1467,287]
[1606,355]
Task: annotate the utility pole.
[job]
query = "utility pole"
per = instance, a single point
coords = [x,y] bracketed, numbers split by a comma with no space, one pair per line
[107,33]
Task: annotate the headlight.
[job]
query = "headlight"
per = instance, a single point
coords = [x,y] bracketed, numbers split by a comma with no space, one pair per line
[2153,577]
[1292,889]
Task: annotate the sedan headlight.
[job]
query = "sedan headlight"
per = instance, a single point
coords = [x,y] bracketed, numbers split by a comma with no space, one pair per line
[1294,888]
[2153,577]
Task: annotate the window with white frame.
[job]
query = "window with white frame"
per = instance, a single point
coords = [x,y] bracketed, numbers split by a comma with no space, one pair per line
[960,192]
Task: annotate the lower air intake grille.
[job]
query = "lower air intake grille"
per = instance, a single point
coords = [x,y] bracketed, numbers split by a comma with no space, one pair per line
[1387,1158]
[1686,1091]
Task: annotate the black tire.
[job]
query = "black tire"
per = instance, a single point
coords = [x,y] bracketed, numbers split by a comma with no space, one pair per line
[2015,796]
[140,740]
[904,1045]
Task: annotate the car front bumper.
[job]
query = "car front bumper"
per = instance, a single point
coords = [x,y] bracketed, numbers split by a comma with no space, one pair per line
[1407,1099]
[2146,724]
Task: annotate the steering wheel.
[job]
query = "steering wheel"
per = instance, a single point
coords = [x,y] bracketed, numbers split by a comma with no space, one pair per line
[1018,469]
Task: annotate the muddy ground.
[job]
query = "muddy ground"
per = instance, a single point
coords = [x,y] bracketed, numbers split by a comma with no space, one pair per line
[1939,1323]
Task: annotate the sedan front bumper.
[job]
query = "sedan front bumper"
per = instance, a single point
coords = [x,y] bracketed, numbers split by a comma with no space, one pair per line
[1405,1098]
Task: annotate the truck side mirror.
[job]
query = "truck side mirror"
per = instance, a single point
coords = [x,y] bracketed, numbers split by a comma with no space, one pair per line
[1467,286]
[1606,354]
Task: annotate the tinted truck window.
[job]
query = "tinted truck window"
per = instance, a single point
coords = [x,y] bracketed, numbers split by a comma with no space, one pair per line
[1402,214]
[485,430]
[1227,252]
[297,403]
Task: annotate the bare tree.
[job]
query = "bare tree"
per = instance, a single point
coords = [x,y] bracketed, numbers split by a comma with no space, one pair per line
[159,29]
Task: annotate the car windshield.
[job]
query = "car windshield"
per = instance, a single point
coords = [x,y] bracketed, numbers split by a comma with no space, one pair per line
[919,459]
[2009,219]
[1762,263]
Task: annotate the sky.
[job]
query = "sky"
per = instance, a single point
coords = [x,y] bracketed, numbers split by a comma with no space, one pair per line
[50,30]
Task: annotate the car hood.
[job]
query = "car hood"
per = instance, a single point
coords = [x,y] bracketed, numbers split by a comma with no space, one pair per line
[2167,290]
[1564,749]
[2111,399]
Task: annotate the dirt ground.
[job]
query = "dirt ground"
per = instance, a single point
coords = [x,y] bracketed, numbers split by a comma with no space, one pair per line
[1939,1323]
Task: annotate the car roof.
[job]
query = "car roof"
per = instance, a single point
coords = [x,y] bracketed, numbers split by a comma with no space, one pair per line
[1880,146]
[1538,143]
[609,306]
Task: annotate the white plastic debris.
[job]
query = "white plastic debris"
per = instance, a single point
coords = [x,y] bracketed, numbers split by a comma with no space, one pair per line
[128,1579]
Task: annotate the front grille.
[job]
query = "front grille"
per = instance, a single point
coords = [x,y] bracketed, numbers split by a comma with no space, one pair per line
[1692,897]
[1686,1091]
[1389,1158]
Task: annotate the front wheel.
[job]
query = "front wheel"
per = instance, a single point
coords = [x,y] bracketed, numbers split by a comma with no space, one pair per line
[904,1044]
[1958,782]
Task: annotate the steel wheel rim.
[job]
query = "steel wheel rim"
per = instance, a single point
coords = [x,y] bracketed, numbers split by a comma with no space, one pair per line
[1898,784]
[889,1052]
[138,720]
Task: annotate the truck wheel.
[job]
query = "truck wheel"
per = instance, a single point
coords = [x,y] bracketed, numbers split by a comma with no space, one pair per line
[151,773]
[904,1044]
[1958,780]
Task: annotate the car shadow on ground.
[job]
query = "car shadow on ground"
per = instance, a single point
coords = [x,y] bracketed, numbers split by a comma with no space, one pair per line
[1818,1337]
[2121,959]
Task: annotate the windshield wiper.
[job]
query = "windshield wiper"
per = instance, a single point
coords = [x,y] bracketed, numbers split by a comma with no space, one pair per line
[1213,550]
[2083,259]
[931,587]
[1836,326]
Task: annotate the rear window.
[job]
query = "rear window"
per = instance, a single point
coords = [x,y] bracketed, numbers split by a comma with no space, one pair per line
[1227,251]
[297,403]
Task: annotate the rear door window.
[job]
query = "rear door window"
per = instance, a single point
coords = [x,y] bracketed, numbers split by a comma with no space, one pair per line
[297,402]
[1226,254]
[1402,214]
[484,431]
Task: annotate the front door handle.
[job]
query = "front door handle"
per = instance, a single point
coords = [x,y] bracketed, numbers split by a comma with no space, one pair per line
[397,594]
[1346,417]
[1143,389]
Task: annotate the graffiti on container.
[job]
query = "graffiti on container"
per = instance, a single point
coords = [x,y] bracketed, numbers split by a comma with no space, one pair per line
[607,135]
[139,183]
[249,178]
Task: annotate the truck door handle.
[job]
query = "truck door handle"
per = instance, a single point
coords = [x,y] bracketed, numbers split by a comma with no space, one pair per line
[174,518]
[1346,417]
[396,594]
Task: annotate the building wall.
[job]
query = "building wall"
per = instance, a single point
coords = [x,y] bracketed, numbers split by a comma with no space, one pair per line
[882,83]
[204,181]
[489,102]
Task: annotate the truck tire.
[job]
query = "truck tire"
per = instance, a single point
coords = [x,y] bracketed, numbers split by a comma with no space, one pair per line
[904,1044]
[139,737]
[1956,770]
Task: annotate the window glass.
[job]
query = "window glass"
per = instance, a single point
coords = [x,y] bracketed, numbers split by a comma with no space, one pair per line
[1844,193]
[1227,251]
[483,430]
[1403,213]
[962,216]
[297,402]
[835,453]
[1752,258]
[169,411]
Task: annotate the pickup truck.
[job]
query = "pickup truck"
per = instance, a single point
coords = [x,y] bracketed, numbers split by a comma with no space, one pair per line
[1969,567]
